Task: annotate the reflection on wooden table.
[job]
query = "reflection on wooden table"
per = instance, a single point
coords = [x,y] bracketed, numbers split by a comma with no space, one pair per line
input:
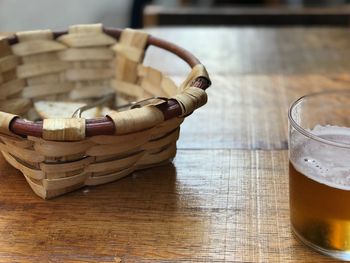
[225,198]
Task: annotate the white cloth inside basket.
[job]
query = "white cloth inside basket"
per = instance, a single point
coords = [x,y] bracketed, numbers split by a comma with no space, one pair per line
[58,109]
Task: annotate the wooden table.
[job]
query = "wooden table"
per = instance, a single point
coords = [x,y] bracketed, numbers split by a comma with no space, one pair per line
[225,198]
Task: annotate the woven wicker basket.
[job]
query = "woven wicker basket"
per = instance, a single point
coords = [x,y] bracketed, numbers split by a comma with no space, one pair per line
[60,153]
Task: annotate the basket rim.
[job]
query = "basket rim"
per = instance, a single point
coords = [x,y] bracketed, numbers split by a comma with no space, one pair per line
[105,125]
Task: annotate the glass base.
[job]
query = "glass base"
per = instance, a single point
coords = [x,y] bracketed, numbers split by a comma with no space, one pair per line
[341,255]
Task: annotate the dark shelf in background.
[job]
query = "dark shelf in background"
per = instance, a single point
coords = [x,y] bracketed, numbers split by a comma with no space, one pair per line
[246,16]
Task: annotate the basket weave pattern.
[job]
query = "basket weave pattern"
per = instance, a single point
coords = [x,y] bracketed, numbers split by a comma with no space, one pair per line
[83,65]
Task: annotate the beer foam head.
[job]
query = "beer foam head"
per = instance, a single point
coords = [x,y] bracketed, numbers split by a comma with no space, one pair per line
[322,162]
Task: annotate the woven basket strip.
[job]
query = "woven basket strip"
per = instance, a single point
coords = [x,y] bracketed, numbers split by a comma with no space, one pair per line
[83,54]
[7,63]
[93,64]
[114,165]
[76,74]
[163,141]
[72,129]
[190,99]
[56,149]
[126,70]
[17,106]
[158,150]
[35,42]
[9,75]
[157,157]
[197,71]
[129,52]
[24,154]
[5,48]
[10,87]
[123,99]
[40,68]
[81,36]
[55,184]
[44,90]
[37,188]
[136,119]
[111,157]
[126,64]
[90,65]
[89,92]
[165,127]
[65,158]
[115,149]
[127,89]
[36,46]
[62,175]
[5,120]
[47,194]
[46,79]
[8,60]
[151,82]
[16,141]
[108,178]
[142,136]
[34,35]
[132,44]
[66,166]
[35,174]
[168,86]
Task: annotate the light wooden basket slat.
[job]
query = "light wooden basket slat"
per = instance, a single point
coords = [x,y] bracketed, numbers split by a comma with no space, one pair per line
[58,155]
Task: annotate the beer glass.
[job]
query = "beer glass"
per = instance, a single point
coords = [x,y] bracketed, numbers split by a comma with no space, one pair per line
[319,172]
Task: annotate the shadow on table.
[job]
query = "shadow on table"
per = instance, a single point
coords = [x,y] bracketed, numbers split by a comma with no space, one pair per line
[140,216]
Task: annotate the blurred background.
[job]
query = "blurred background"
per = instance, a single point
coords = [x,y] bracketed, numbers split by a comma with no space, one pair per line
[16,15]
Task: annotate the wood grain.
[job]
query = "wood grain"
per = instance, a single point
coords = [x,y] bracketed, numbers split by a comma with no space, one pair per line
[256,74]
[225,198]
[210,206]
[248,50]
[249,111]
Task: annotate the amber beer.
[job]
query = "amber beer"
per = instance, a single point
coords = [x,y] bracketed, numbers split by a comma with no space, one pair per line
[320,214]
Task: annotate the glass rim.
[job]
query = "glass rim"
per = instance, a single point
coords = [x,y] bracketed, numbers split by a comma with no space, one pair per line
[306,132]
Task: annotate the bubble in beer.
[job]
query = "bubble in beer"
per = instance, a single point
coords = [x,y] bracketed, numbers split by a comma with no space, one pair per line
[324,163]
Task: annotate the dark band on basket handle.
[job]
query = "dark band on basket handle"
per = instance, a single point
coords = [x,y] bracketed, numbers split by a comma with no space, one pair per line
[104,125]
